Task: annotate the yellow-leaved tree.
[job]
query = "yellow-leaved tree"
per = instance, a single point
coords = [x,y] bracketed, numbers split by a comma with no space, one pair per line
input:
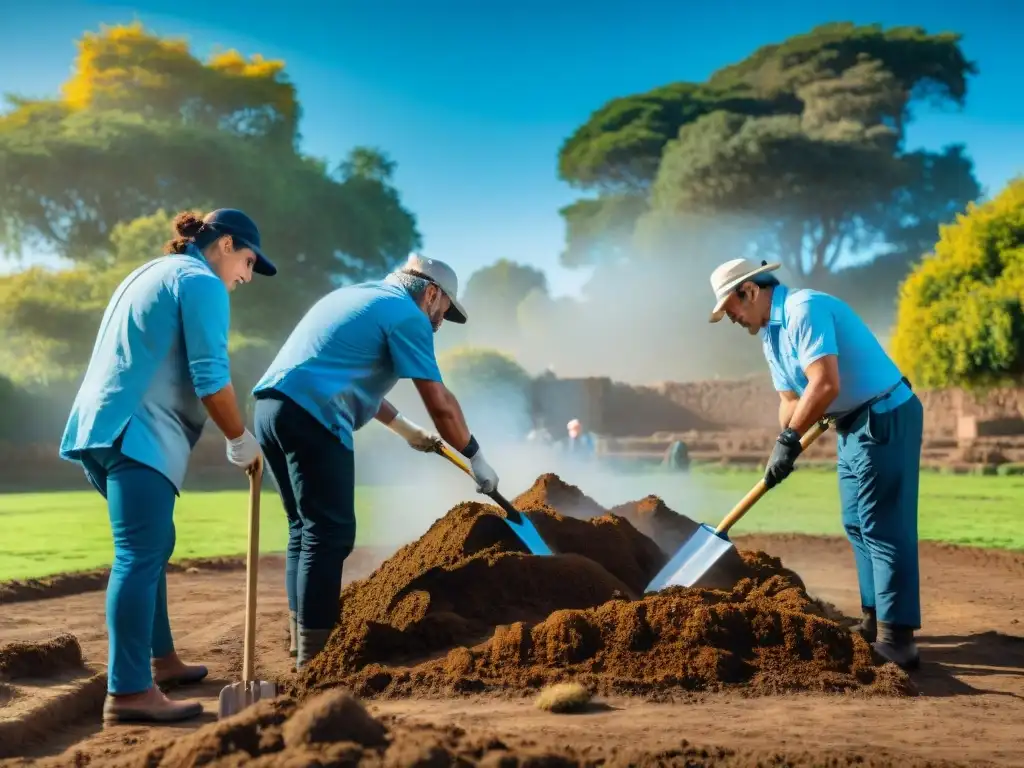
[960,319]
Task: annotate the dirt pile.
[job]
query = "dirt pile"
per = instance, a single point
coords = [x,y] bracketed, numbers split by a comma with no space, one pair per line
[549,490]
[650,516]
[40,660]
[334,729]
[465,609]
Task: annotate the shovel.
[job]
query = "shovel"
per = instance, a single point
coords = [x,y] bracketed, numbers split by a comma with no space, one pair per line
[705,557]
[518,522]
[237,696]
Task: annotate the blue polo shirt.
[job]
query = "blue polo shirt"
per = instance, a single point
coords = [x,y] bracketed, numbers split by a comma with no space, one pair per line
[162,345]
[807,325]
[347,353]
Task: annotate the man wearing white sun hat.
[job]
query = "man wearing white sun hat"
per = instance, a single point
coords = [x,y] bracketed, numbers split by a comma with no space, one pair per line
[824,361]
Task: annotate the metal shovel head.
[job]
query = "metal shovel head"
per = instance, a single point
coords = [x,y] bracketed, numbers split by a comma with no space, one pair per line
[529,535]
[693,561]
[237,696]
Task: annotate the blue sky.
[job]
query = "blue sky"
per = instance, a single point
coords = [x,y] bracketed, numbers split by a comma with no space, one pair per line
[473,99]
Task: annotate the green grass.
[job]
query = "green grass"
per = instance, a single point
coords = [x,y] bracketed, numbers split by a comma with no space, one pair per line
[46,533]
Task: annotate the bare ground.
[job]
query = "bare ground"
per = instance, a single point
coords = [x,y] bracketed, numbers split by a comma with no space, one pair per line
[970,711]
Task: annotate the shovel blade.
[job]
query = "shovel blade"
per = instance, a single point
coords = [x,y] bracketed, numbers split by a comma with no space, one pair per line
[237,696]
[695,561]
[529,535]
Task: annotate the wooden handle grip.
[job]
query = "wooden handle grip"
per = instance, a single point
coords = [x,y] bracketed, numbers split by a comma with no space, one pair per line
[761,488]
[449,454]
[252,566]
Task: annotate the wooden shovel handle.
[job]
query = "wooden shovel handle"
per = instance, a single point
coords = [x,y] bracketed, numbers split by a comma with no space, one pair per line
[761,488]
[455,459]
[252,567]
[511,512]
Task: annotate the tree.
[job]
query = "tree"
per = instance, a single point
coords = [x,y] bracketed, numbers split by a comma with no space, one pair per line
[960,320]
[144,125]
[492,295]
[818,118]
[52,316]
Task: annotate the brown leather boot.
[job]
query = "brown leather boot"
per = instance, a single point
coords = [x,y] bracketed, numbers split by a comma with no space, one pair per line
[151,706]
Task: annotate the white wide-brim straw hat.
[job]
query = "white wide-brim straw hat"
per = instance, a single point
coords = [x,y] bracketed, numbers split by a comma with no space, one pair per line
[729,276]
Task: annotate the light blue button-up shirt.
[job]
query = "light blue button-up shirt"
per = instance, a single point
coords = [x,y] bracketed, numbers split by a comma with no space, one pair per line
[162,345]
[806,325]
[348,352]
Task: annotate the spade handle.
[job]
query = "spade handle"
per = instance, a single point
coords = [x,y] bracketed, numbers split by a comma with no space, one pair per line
[761,488]
[252,565]
[511,512]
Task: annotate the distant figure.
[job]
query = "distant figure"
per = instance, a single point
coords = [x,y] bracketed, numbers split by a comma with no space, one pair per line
[579,443]
[677,457]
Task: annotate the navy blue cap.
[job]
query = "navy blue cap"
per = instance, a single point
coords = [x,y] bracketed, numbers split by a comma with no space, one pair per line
[229,221]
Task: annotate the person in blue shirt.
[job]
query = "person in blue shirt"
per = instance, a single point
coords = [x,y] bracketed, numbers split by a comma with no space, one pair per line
[159,367]
[579,443]
[330,379]
[825,362]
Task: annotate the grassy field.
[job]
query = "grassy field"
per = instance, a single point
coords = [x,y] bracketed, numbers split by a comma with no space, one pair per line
[46,533]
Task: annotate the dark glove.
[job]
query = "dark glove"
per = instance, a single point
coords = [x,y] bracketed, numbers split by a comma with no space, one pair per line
[784,454]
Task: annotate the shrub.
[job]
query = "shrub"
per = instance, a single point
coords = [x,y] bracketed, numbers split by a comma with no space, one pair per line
[960,320]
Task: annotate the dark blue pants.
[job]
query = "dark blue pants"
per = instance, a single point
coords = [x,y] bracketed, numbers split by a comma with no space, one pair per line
[879,462]
[140,501]
[315,475]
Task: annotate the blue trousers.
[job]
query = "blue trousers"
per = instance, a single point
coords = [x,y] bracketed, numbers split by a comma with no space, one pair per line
[879,462]
[140,502]
[315,475]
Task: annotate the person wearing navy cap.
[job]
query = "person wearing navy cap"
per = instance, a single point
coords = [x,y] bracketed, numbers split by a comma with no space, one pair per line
[159,368]
[329,380]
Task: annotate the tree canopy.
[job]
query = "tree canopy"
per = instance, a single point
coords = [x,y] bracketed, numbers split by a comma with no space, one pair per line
[141,126]
[805,138]
[960,320]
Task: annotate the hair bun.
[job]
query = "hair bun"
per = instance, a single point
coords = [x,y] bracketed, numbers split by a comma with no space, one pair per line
[188,224]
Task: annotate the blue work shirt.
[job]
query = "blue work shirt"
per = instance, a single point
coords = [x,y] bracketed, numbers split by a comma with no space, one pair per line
[582,445]
[161,346]
[806,325]
[347,353]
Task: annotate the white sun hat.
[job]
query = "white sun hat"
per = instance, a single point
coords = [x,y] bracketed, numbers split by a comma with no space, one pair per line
[729,276]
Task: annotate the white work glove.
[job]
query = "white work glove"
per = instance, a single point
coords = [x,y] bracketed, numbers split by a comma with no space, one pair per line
[243,450]
[485,476]
[416,436]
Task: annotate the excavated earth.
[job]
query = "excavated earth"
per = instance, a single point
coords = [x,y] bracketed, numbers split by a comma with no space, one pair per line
[443,639]
[465,609]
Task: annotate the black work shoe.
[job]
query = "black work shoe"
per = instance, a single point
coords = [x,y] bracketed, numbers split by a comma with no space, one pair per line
[904,656]
[896,644]
[311,642]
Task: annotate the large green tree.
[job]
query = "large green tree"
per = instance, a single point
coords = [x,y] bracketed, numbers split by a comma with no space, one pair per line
[805,136]
[142,124]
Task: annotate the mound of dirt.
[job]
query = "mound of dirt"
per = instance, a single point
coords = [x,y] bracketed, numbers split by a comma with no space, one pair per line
[649,515]
[466,609]
[549,490]
[655,520]
[334,729]
[40,660]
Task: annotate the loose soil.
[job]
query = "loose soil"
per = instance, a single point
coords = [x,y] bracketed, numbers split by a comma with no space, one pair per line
[21,660]
[969,711]
[466,609]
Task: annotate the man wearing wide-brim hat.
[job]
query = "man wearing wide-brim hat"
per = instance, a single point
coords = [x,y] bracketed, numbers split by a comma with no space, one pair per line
[825,362]
[329,380]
